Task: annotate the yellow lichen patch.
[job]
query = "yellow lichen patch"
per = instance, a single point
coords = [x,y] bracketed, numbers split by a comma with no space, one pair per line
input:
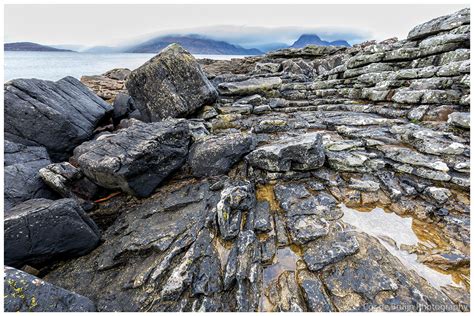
[263,236]
[265,192]
[297,249]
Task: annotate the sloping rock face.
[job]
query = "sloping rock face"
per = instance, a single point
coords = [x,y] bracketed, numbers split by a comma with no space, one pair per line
[21,179]
[170,84]
[57,115]
[135,159]
[26,293]
[377,125]
[41,230]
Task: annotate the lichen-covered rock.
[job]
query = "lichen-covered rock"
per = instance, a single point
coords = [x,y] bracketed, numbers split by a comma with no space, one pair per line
[215,155]
[170,84]
[135,159]
[24,292]
[41,230]
[21,179]
[57,115]
[298,153]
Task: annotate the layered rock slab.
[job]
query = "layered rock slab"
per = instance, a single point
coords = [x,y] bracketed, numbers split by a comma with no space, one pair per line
[135,159]
[57,115]
[41,230]
[170,84]
[24,292]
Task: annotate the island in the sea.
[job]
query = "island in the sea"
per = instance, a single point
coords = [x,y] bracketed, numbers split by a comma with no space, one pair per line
[31,47]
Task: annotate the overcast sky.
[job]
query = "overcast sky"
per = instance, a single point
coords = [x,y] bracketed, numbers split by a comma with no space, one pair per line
[247,25]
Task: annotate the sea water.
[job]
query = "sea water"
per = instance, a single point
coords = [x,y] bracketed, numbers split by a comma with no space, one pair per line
[56,65]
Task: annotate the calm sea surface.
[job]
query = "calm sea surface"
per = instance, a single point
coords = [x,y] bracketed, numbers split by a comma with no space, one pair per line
[56,65]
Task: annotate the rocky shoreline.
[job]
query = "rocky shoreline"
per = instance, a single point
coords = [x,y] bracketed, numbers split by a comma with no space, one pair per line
[202,185]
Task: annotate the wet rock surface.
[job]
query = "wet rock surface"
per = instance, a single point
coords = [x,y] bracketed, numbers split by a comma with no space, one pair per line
[240,207]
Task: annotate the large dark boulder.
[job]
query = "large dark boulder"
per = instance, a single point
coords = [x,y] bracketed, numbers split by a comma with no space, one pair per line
[22,181]
[215,155]
[135,159]
[40,230]
[24,292]
[57,115]
[170,84]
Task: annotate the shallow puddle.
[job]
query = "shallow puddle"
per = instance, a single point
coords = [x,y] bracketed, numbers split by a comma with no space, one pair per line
[285,260]
[393,231]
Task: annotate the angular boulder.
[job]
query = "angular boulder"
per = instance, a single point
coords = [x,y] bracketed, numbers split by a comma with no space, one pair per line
[57,115]
[22,181]
[170,84]
[215,155]
[24,292]
[303,152]
[135,159]
[40,230]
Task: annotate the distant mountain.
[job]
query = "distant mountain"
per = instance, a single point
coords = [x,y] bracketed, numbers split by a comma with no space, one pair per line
[104,50]
[195,44]
[31,47]
[312,39]
[73,47]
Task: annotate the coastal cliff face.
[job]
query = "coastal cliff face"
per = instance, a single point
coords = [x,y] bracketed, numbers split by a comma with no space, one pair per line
[251,195]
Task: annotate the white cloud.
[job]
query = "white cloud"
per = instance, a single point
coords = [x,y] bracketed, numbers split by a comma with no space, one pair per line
[244,24]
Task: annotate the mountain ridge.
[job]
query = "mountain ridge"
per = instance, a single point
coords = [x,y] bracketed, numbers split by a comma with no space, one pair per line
[313,39]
